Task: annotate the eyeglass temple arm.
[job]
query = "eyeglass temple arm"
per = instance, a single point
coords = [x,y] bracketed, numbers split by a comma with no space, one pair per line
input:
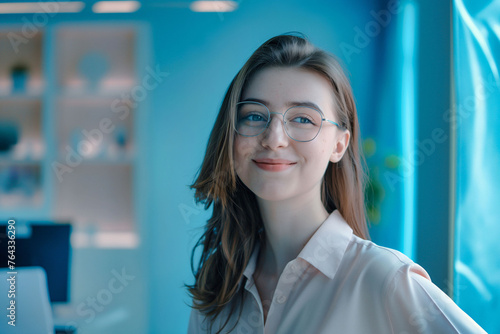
[332,122]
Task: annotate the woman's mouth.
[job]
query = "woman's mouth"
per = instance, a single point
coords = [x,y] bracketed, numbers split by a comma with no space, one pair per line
[274,165]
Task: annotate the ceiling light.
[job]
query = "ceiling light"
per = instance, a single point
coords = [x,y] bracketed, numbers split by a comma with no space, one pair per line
[41,7]
[116,6]
[213,6]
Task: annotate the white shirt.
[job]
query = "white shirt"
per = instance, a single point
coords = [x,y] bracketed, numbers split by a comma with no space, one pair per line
[340,283]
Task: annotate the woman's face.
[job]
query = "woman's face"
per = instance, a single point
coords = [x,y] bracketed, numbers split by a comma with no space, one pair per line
[274,166]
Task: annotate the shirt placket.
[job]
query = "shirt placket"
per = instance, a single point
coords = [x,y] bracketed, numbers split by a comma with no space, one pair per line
[257,316]
[291,274]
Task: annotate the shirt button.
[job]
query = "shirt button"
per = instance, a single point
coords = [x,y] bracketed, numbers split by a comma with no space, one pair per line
[281,299]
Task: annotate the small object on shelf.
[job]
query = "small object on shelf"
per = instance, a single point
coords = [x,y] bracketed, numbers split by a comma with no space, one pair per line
[21,151]
[93,67]
[19,185]
[36,148]
[9,136]
[19,75]
[121,137]
[29,149]
[117,148]
[84,146]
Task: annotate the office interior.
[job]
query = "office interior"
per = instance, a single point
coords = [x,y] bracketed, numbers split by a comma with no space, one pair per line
[106,108]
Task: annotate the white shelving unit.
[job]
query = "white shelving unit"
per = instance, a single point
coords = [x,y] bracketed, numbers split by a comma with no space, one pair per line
[75,156]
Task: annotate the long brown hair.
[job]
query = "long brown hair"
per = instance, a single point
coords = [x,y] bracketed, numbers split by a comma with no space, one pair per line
[236,225]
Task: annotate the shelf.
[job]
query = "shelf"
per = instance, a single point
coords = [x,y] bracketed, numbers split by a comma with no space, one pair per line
[28,150]
[126,158]
[23,161]
[19,200]
[85,94]
[21,97]
[106,100]
[110,240]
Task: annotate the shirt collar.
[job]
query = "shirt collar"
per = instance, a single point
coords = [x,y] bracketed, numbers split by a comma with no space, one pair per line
[252,263]
[328,244]
[324,250]
[251,266]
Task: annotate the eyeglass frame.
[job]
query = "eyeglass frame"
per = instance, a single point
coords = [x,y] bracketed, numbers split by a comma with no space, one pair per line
[269,112]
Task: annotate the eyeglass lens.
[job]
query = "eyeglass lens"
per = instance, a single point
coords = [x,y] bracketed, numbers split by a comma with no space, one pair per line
[301,123]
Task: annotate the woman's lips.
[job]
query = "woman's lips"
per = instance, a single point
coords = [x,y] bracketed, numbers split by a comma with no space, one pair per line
[274,165]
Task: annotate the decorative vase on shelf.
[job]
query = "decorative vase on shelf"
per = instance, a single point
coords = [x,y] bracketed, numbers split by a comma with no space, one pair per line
[121,137]
[19,74]
[9,136]
[93,67]
[117,148]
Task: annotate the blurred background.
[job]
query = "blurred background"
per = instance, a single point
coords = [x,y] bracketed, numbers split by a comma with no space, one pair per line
[106,108]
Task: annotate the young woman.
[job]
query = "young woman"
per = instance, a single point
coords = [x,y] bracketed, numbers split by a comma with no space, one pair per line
[287,249]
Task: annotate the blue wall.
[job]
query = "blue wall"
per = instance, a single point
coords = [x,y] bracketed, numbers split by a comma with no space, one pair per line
[202,52]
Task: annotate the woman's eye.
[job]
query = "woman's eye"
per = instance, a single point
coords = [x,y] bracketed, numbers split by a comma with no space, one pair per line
[255,118]
[302,120]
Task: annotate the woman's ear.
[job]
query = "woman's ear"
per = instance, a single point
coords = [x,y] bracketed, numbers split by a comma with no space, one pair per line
[342,142]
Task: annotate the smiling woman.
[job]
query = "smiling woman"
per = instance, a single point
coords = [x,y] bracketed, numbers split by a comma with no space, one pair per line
[300,146]
[287,249]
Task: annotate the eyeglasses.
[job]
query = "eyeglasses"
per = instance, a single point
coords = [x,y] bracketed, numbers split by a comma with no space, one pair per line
[302,123]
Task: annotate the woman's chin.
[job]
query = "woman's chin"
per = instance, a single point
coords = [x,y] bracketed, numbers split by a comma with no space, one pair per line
[273,195]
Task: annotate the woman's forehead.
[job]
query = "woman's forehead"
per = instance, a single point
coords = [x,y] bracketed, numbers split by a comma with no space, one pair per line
[281,87]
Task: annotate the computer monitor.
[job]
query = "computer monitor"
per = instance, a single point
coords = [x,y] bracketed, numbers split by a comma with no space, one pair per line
[47,246]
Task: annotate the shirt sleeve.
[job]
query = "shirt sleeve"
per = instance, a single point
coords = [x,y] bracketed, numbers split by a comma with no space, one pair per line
[195,320]
[415,305]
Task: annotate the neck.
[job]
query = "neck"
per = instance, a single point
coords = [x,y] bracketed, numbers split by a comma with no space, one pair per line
[289,225]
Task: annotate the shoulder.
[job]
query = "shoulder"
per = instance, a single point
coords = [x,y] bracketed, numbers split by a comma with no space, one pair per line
[370,251]
[410,300]
[378,265]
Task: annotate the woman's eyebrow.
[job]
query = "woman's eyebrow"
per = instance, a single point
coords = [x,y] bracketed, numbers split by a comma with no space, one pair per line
[288,104]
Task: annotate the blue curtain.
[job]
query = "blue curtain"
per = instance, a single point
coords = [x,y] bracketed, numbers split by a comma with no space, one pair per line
[390,129]
[477,124]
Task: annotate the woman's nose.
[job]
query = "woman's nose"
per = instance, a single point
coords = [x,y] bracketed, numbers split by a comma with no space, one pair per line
[275,135]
